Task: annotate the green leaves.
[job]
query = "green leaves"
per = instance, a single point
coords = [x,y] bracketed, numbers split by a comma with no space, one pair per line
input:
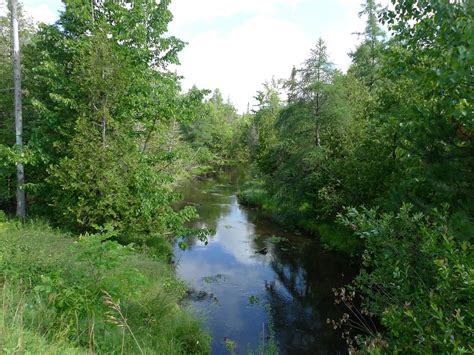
[104,120]
[417,278]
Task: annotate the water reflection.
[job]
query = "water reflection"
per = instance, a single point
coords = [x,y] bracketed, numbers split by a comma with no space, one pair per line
[235,284]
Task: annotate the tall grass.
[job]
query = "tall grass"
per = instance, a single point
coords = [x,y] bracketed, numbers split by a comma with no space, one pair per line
[333,236]
[62,295]
[15,337]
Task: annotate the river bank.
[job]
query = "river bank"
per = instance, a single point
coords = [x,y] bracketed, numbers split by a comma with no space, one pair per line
[253,194]
[259,285]
[67,295]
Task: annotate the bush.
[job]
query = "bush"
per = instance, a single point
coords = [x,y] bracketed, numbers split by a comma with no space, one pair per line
[418,279]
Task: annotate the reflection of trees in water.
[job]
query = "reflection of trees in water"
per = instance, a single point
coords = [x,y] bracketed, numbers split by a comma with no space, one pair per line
[307,275]
[212,199]
[209,214]
[301,299]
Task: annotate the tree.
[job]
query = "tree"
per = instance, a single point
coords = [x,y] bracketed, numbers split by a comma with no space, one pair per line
[307,133]
[366,58]
[427,101]
[103,99]
[263,131]
[9,155]
[316,76]
[212,130]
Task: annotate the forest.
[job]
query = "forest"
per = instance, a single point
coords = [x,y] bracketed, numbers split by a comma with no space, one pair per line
[376,162]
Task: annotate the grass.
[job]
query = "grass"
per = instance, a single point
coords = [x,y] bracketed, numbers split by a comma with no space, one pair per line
[333,236]
[66,295]
[15,338]
[253,194]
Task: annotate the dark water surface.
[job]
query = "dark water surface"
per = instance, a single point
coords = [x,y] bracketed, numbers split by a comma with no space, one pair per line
[241,292]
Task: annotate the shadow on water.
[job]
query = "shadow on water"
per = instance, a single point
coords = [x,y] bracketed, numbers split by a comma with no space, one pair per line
[252,271]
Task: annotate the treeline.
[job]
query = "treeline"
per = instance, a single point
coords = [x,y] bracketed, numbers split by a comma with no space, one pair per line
[385,150]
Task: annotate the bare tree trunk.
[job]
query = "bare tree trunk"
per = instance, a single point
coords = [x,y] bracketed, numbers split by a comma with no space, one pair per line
[20,173]
[318,135]
[104,130]
[104,115]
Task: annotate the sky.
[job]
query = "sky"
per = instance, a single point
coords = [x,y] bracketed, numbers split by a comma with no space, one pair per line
[236,45]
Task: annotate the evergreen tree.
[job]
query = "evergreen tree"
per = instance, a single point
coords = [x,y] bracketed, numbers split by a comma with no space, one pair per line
[366,58]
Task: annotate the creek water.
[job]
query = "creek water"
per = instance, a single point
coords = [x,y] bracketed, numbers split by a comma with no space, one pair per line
[254,278]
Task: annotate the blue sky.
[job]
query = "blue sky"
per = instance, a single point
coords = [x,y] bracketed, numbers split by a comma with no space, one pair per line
[236,45]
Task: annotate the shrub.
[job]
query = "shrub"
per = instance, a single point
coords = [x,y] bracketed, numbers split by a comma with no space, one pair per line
[418,279]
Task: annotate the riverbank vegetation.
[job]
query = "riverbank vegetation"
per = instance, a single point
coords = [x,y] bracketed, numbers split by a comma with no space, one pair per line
[103,151]
[91,295]
[384,150]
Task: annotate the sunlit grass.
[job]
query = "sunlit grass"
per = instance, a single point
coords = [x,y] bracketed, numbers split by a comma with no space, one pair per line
[63,296]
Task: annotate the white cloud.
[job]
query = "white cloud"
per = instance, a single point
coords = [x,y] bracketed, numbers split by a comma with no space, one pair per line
[191,11]
[265,44]
[3,8]
[263,39]
[39,12]
[239,61]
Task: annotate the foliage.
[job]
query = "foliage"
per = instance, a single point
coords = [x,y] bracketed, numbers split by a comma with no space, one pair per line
[325,151]
[418,278]
[90,294]
[395,130]
[366,58]
[427,101]
[133,196]
[109,134]
[213,130]
[102,135]
[253,194]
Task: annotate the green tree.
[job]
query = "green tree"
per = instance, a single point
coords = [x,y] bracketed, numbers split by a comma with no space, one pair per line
[296,166]
[366,57]
[103,98]
[316,76]
[212,130]
[427,101]
[262,131]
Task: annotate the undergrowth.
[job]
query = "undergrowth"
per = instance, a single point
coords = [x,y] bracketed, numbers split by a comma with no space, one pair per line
[62,295]
[333,236]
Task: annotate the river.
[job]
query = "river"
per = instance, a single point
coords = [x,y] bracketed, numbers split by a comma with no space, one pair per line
[253,276]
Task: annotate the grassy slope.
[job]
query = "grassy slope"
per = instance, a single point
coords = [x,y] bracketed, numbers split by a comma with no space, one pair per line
[333,236]
[62,295]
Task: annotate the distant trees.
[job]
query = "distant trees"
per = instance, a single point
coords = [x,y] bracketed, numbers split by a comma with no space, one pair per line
[213,130]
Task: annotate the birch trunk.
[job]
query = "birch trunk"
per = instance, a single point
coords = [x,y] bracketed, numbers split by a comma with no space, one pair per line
[20,173]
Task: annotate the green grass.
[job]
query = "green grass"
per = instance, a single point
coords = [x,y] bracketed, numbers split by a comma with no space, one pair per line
[333,236]
[64,295]
[15,338]
[253,194]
